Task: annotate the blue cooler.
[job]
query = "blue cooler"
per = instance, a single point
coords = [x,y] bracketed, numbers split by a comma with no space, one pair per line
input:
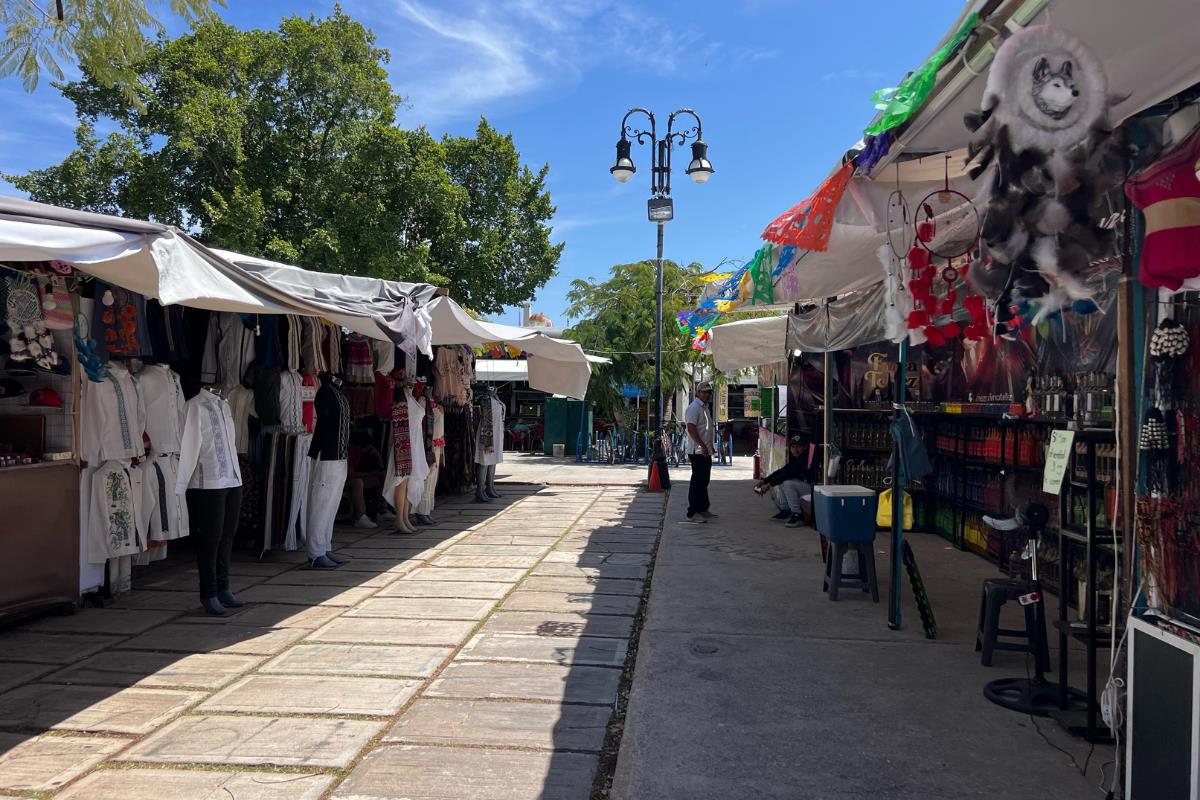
[845,513]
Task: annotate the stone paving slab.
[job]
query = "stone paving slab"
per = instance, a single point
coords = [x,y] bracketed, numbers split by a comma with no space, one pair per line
[582,545]
[588,559]
[549,623]
[149,598]
[464,574]
[392,566]
[527,539]
[307,595]
[157,670]
[520,563]
[575,602]
[409,588]
[470,547]
[272,615]
[581,585]
[189,583]
[44,763]
[117,621]
[263,569]
[332,577]
[359,659]
[92,708]
[14,673]
[394,631]
[256,741]
[423,608]
[540,726]
[592,650]
[506,680]
[188,637]
[449,773]
[51,648]
[180,784]
[621,571]
[415,554]
[313,694]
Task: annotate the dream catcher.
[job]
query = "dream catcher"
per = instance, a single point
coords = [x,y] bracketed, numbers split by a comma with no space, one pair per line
[1043,125]
[946,228]
[891,256]
[30,343]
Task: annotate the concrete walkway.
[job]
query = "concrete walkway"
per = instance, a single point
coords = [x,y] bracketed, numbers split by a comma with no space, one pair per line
[478,659]
[750,683]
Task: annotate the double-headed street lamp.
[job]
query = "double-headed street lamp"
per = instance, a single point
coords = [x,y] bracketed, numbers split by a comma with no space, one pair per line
[659,208]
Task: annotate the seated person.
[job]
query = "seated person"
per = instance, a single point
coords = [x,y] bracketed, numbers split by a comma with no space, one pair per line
[793,480]
[365,471]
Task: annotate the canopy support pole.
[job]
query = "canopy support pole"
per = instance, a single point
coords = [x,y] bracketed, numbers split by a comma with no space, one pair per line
[827,415]
[894,614]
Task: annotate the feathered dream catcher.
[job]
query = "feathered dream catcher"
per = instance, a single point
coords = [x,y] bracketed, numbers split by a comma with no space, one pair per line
[1044,125]
[945,229]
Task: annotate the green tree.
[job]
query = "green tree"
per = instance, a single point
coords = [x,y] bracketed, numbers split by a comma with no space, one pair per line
[106,38]
[617,320]
[283,144]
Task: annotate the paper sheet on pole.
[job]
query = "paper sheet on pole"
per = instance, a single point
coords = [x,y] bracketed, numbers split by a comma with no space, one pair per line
[1058,457]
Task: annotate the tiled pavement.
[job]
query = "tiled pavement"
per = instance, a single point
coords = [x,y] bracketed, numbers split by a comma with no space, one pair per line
[479,658]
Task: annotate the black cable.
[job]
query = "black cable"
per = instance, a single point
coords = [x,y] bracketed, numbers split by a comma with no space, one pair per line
[1081,770]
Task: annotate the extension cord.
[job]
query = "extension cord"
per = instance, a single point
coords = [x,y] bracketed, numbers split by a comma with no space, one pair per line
[1112,701]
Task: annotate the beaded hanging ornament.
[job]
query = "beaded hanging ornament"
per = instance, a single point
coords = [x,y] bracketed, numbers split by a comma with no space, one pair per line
[946,227]
[1168,344]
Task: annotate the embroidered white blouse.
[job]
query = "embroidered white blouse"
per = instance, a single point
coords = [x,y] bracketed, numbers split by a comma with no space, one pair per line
[114,418]
[208,455]
[162,396]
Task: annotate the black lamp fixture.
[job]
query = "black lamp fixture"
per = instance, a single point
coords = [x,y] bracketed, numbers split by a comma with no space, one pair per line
[659,208]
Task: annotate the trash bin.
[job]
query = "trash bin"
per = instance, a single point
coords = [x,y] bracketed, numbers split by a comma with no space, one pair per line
[560,450]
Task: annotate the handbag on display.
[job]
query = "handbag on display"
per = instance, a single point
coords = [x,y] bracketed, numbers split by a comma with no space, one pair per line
[56,303]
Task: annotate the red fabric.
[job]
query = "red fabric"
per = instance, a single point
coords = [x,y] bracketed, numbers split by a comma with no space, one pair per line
[309,395]
[383,395]
[1168,193]
[807,224]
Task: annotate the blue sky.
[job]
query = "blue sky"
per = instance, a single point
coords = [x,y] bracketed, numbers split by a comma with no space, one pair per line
[783,88]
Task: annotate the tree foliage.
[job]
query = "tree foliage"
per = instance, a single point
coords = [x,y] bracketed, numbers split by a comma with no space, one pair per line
[283,144]
[617,319]
[106,38]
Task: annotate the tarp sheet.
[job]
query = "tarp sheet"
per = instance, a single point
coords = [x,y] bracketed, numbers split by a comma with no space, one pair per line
[381,309]
[557,366]
[846,322]
[144,257]
[499,370]
[748,343]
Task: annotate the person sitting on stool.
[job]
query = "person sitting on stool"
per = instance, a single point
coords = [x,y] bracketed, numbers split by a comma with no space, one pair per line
[793,480]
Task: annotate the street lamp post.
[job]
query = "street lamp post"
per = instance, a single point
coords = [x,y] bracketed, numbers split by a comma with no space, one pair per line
[659,208]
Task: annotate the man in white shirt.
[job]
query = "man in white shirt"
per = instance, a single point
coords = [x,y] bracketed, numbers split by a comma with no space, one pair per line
[699,443]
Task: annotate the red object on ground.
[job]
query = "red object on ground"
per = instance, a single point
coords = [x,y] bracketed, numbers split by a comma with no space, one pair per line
[655,482]
[757,467]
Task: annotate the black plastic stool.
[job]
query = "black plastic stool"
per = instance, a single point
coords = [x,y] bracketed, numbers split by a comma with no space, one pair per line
[864,578]
[1032,640]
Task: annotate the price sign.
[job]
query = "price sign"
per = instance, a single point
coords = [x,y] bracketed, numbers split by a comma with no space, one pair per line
[1058,457]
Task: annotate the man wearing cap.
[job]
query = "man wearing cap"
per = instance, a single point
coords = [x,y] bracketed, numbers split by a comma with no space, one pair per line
[793,479]
[700,434]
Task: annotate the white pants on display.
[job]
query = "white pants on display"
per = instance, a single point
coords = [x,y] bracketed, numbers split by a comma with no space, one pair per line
[427,496]
[324,497]
[301,480]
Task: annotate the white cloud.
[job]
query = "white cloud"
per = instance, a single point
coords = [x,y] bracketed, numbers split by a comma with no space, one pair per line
[462,57]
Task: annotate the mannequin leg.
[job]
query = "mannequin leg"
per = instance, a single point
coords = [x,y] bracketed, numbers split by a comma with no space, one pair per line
[403,525]
[491,482]
[425,507]
[481,495]
[233,512]
[206,510]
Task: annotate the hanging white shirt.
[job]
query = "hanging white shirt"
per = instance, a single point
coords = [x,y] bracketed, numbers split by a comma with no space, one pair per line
[241,406]
[170,518]
[228,350]
[158,386]
[117,511]
[208,455]
[291,401]
[114,418]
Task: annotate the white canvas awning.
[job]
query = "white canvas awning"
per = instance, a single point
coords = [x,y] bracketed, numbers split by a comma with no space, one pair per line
[151,259]
[380,309]
[557,366]
[748,343]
